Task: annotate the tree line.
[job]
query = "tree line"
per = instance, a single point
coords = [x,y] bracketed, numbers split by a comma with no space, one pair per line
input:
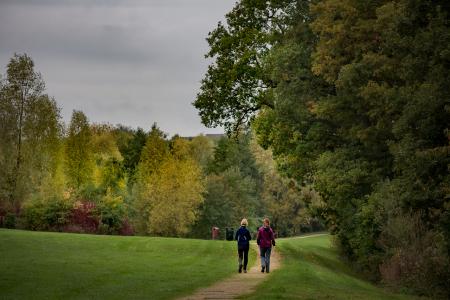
[105,179]
[352,98]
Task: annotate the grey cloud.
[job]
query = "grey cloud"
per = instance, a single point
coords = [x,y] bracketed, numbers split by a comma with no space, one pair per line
[129,62]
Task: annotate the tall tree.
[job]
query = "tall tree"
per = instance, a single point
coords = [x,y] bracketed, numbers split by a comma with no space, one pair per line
[174,193]
[169,187]
[360,109]
[108,159]
[29,130]
[230,196]
[155,151]
[78,150]
[131,149]
[236,85]
[202,149]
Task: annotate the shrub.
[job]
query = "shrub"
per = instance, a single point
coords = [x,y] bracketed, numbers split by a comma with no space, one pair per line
[10,220]
[84,217]
[127,228]
[46,214]
[112,212]
[416,257]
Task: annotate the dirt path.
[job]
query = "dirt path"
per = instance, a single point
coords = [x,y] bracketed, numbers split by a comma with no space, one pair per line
[238,284]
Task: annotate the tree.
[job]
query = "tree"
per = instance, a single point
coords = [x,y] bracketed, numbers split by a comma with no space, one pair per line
[155,151]
[230,196]
[293,209]
[169,187]
[360,111]
[201,150]
[78,148]
[174,193]
[234,152]
[232,186]
[107,171]
[29,131]
[235,86]
[180,148]
[131,149]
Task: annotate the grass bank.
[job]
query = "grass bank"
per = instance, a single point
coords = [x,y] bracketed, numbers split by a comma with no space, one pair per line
[43,265]
[312,269]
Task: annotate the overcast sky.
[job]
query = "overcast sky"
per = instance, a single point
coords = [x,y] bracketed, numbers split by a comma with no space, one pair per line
[129,62]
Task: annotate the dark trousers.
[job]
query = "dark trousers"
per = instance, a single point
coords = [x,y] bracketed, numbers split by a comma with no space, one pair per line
[265,257]
[243,253]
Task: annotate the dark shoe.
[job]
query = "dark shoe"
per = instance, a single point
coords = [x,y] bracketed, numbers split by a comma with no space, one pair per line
[262,269]
[245,271]
[240,269]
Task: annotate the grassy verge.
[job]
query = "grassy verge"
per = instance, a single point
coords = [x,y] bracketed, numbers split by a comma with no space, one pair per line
[311,269]
[42,265]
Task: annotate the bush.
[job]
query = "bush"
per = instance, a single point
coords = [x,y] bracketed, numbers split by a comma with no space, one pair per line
[103,215]
[127,228]
[84,217]
[112,212]
[46,214]
[10,220]
[416,257]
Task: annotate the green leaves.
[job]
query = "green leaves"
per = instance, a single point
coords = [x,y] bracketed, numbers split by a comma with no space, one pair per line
[78,151]
[29,132]
[234,87]
[356,94]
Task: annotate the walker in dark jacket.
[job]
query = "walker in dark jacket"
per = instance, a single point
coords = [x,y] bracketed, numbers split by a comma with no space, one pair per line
[243,238]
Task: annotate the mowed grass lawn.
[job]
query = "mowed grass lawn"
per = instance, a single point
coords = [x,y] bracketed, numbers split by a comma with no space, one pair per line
[312,269]
[44,265]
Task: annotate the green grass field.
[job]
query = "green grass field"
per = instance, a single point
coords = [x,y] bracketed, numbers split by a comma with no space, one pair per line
[41,265]
[311,269]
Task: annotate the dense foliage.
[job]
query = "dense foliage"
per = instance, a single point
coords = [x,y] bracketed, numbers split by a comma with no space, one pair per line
[99,178]
[353,101]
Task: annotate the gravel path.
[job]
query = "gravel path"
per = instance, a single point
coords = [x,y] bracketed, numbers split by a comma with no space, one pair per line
[238,284]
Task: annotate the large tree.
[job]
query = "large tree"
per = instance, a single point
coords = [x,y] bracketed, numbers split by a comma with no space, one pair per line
[359,94]
[79,152]
[29,131]
[169,187]
[236,85]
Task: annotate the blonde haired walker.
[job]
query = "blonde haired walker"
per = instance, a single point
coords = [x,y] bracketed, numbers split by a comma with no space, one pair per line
[243,238]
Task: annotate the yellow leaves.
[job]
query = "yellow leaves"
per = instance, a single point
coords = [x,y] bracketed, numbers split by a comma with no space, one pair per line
[122,184]
[169,196]
[97,175]
[112,201]
[175,192]
[180,148]
[104,143]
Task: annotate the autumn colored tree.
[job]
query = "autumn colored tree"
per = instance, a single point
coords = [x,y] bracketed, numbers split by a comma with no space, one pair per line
[169,187]
[29,132]
[174,193]
[78,149]
[107,171]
